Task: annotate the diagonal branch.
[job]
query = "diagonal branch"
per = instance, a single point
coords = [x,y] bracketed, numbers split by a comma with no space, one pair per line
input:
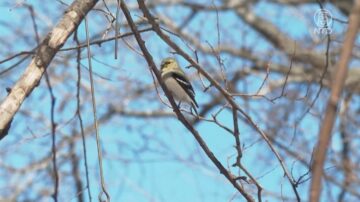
[48,48]
[223,91]
[279,39]
[197,136]
[333,101]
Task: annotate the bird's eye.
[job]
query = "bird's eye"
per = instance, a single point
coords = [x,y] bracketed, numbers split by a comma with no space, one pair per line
[166,63]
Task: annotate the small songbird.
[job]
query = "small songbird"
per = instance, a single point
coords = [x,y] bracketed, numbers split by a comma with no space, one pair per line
[177,83]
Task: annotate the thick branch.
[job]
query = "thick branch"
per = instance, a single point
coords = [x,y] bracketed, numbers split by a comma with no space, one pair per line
[41,60]
[279,39]
[332,105]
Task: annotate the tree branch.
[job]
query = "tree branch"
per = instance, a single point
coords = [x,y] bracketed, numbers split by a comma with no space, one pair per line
[332,105]
[30,79]
[197,136]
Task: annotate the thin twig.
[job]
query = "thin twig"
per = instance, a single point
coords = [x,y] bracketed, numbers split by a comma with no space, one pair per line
[220,88]
[102,181]
[237,136]
[117,27]
[53,135]
[239,153]
[52,113]
[78,114]
[47,50]
[197,136]
[322,77]
[95,42]
[75,171]
[287,76]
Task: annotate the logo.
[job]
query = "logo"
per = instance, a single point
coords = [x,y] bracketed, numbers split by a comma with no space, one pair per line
[323,21]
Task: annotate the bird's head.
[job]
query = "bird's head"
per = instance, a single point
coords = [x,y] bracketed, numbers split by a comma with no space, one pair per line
[168,64]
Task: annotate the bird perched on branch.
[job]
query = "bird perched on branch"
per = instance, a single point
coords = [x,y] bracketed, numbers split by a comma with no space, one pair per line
[177,82]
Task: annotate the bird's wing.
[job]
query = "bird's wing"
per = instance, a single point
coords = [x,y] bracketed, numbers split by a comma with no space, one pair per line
[186,85]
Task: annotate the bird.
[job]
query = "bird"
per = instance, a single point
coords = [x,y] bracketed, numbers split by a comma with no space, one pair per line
[177,83]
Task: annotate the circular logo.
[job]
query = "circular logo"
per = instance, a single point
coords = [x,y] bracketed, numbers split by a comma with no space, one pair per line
[323,18]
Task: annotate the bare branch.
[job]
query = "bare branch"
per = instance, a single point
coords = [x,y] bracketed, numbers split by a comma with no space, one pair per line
[197,136]
[333,101]
[44,55]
